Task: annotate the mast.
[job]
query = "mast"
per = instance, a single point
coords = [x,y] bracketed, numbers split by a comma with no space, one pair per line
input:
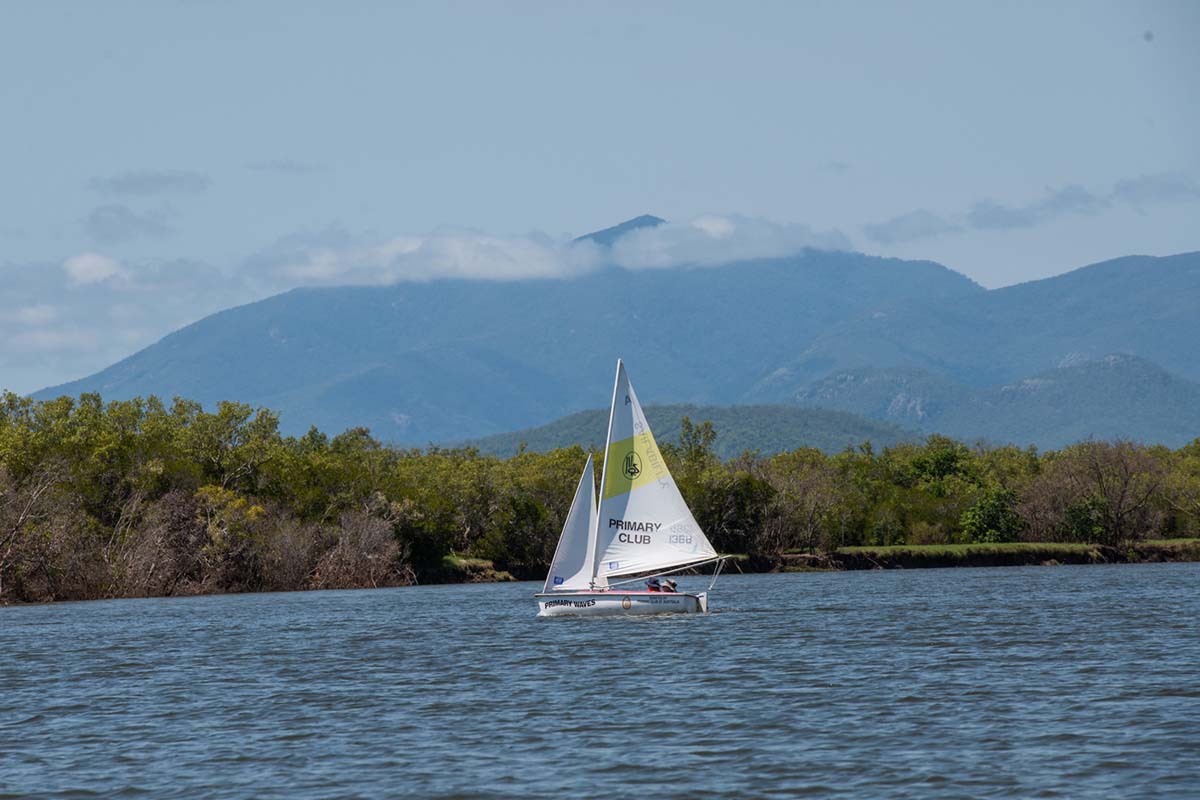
[594,537]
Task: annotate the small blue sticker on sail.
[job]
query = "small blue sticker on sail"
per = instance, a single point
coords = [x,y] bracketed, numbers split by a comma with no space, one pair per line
[614,564]
[558,581]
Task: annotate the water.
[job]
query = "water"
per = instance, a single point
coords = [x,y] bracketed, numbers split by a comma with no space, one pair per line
[1022,682]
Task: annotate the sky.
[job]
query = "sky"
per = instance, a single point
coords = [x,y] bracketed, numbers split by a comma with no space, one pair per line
[162,161]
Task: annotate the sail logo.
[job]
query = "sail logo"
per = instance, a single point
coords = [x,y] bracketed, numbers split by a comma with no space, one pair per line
[631,467]
[633,525]
[633,532]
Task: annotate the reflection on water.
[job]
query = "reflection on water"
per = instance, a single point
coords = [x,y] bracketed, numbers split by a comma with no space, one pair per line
[1068,681]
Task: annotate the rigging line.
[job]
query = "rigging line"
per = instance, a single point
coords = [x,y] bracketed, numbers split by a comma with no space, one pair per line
[670,571]
[716,573]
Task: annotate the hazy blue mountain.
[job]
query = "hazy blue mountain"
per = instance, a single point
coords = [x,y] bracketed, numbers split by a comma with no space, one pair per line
[450,360]
[1139,305]
[1110,397]
[768,429]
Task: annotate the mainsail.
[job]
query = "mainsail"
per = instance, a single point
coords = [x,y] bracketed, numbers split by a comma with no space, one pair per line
[644,525]
[574,559]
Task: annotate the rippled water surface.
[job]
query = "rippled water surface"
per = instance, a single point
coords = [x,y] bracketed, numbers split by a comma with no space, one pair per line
[1023,682]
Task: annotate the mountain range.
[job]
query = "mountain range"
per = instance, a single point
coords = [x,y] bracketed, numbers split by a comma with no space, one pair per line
[911,343]
[1137,305]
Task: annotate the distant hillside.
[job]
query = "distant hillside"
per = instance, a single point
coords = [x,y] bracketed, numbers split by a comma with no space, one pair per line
[1137,305]
[1113,397]
[769,429]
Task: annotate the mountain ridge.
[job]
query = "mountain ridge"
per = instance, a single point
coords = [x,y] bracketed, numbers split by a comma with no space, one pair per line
[454,359]
[1084,312]
[413,361]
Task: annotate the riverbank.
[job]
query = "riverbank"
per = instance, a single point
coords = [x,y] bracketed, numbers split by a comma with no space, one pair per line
[460,570]
[1000,554]
[931,556]
[139,499]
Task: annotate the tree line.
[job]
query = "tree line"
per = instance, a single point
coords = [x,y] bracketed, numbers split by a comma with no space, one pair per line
[139,498]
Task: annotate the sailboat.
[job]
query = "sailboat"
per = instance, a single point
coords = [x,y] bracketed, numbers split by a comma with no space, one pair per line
[641,526]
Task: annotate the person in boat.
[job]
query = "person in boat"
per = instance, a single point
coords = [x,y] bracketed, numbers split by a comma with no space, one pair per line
[653,585]
[668,585]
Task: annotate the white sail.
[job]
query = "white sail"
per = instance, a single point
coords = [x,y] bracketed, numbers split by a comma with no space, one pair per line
[574,558]
[644,524]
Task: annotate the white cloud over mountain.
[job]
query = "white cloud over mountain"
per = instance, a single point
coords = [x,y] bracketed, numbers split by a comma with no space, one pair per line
[710,240]
[62,320]
[334,257]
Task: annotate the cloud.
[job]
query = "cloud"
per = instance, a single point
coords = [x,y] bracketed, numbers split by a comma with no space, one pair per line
[713,240]
[115,223]
[1163,188]
[70,318]
[146,182]
[285,166]
[181,277]
[88,268]
[1072,199]
[919,224]
[715,227]
[333,256]
[39,314]
[990,215]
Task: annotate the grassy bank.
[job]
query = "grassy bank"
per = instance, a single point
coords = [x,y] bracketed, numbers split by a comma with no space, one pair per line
[457,569]
[1001,554]
[1168,550]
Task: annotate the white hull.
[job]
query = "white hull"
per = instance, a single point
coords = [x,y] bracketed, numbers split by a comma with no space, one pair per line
[619,604]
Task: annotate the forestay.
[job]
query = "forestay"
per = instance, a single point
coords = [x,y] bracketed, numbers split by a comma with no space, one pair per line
[644,524]
[574,559]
